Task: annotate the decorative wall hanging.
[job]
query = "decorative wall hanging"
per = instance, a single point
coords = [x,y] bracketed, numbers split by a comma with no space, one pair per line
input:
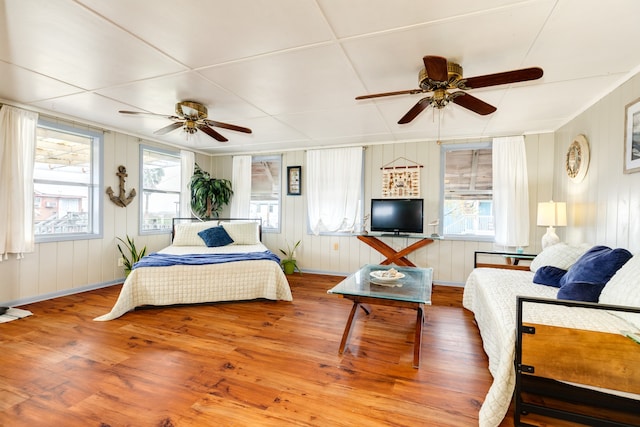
[121,200]
[401,180]
[632,137]
[577,160]
[294,180]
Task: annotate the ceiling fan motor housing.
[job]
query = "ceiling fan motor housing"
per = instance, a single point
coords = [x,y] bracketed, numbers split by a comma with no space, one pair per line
[191,110]
[454,74]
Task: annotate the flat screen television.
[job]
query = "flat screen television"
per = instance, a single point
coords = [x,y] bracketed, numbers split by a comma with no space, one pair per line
[397,216]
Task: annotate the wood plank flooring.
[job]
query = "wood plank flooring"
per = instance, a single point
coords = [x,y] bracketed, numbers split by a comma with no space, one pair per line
[258,363]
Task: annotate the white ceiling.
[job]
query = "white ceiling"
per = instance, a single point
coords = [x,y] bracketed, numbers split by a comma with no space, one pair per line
[290,69]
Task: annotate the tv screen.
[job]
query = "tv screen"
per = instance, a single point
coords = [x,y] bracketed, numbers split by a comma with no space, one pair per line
[397,216]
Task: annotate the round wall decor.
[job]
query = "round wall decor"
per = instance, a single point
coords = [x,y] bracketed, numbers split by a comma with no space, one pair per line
[577,160]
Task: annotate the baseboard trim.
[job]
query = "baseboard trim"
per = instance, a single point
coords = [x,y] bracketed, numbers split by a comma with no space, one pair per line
[63,293]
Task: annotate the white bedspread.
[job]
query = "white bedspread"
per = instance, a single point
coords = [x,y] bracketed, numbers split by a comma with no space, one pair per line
[491,295]
[188,284]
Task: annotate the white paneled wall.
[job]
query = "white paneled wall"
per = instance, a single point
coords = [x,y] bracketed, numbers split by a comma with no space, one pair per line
[604,207]
[60,267]
[452,260]
[63,267]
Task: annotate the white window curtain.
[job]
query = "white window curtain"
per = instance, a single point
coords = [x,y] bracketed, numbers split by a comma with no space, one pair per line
[334,188]
[510,191]
[241,184]
[17,155]
[187,162]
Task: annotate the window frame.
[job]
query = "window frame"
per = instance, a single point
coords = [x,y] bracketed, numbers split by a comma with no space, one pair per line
[95,187]
[269,157]
[166,152]
[444,148]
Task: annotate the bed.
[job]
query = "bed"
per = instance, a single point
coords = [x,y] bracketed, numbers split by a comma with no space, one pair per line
[188,271]
[492,293]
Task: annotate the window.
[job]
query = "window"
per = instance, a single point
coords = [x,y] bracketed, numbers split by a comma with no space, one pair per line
[265,191]
[160,182]
[66,183]
[467,182]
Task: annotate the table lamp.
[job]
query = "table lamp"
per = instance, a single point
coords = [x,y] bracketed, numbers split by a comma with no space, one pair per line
[551,214]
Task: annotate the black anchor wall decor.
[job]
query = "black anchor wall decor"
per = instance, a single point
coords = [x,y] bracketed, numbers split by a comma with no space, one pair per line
[121,200]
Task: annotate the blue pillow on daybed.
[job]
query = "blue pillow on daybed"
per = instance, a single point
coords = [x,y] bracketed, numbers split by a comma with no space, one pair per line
[215,236]
[587,277]
[549,275]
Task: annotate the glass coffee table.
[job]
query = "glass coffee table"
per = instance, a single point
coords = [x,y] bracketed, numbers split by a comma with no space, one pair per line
[409,289]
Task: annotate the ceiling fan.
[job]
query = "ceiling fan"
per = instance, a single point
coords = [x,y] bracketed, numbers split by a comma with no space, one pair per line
[191,116]
[445,80]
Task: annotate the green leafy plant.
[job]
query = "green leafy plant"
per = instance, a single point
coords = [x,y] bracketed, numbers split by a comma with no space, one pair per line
[208,195]
[133,254]
[289,264]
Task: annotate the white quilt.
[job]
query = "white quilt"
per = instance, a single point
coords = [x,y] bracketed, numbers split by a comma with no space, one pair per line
[491,295]
[188,284]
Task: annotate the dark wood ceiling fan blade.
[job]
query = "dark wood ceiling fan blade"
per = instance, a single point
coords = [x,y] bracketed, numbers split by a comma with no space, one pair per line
[212,133]
[436,67]
[474,104]
[140,113]
[228,126]
[506,77]
[415,110]
[165,130]
[398,92]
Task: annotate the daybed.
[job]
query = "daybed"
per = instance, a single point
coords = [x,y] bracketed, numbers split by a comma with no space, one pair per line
[492,295]
[235,266]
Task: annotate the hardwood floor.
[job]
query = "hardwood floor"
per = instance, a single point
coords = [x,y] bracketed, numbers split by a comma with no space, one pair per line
[259,363]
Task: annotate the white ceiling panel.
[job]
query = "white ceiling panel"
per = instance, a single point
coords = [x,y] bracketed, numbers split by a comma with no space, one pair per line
[290,69]
[300,80]
[199,33]
[380,15]
[60,39]
[25,86]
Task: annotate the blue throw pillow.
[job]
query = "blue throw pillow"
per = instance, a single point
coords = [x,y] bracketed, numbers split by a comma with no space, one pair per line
[587,277]
[549,275]
[215,236]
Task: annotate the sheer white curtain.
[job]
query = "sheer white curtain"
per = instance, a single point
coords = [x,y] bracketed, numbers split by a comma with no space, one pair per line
[17,153]
[187,161]
[334,188]
[241,184]
[510,191]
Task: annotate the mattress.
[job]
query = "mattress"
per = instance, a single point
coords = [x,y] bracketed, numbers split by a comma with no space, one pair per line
[491,295]
[188,284]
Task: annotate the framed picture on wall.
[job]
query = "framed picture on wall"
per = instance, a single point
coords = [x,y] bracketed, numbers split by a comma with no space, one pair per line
[632,137]
[294,180]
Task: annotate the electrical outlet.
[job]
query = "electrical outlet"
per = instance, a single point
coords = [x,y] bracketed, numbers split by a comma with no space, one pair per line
[120,262]
[336,246]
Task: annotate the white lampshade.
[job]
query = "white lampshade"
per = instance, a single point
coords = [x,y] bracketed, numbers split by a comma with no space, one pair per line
[551,214]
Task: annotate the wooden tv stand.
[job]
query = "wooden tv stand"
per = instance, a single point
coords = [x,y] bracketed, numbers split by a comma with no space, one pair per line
[393,256]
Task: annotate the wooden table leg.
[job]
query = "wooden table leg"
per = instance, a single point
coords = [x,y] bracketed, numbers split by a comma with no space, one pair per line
[347,328]
[393,256]
[417,342]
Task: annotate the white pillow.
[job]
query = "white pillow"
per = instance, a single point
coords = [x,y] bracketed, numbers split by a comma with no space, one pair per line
[242,233]
[624,289]
[559,255]
[186,234]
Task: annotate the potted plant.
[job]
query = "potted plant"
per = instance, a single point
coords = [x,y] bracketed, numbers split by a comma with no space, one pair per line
[133,255]
[289,264]
[208,195]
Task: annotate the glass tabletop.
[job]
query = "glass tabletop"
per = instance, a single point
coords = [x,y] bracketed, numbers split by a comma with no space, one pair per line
[414,286]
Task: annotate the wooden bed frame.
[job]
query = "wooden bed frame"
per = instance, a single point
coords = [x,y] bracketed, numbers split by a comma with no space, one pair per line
[550,357]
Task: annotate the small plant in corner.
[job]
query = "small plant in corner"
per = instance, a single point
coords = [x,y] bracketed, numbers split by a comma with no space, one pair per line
[289,264]
[133,254]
